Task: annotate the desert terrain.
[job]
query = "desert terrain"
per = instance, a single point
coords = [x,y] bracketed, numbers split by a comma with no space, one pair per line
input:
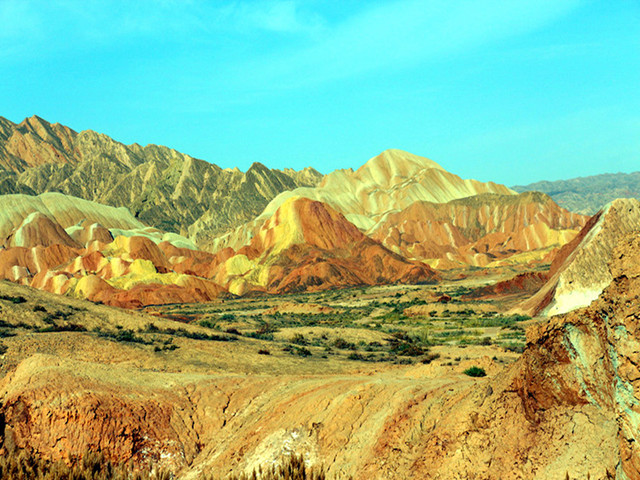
[395,321]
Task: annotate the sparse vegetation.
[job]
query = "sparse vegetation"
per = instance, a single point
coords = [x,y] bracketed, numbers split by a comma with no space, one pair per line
[25,465]
[15,300]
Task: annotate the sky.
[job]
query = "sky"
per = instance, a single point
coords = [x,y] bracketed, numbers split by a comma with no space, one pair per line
[510,91]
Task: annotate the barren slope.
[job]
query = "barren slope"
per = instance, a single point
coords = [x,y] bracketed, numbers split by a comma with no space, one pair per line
[388,182]
[307,245]
[482,230]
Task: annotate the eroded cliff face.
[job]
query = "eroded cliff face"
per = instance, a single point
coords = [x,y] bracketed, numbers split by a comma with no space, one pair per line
[591,357]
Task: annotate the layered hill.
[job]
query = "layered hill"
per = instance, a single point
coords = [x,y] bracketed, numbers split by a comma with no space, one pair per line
[307,245]
[587,195]
[417,209]
[580,272]
[483,230]
[162,187]
[70,246]
[391,181]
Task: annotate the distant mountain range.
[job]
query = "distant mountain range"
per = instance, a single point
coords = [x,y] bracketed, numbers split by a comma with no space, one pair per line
[185,230]
[160,186]
[587,195]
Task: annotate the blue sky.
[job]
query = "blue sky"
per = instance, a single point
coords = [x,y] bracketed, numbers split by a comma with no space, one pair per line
[512,91]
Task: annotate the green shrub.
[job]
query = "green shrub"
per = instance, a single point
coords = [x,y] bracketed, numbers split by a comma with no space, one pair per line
[123,335]
[24,465]
[513,347]
[342,344]
[260,335]
[208,324]
[475,372]
[302,351]
[430,357]
[291,468]
[13,299]
[65,327]
[299,339]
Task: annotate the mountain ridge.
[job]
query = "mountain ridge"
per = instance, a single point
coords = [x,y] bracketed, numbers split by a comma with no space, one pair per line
[161,186]
[590,193]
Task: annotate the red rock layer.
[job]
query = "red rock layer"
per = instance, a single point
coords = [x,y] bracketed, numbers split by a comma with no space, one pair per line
[39,230]
[328,252]
[528,282]
[52,260]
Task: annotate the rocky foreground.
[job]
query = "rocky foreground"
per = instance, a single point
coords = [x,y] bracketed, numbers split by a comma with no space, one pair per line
[568,406]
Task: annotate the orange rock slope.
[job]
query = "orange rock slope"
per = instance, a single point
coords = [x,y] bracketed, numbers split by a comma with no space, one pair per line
[307,245]
[482,230]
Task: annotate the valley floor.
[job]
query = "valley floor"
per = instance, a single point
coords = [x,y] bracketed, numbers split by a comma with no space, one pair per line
[233,385]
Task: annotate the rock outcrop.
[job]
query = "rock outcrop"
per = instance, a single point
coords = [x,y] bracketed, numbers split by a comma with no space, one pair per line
[419,210]
[579,272]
